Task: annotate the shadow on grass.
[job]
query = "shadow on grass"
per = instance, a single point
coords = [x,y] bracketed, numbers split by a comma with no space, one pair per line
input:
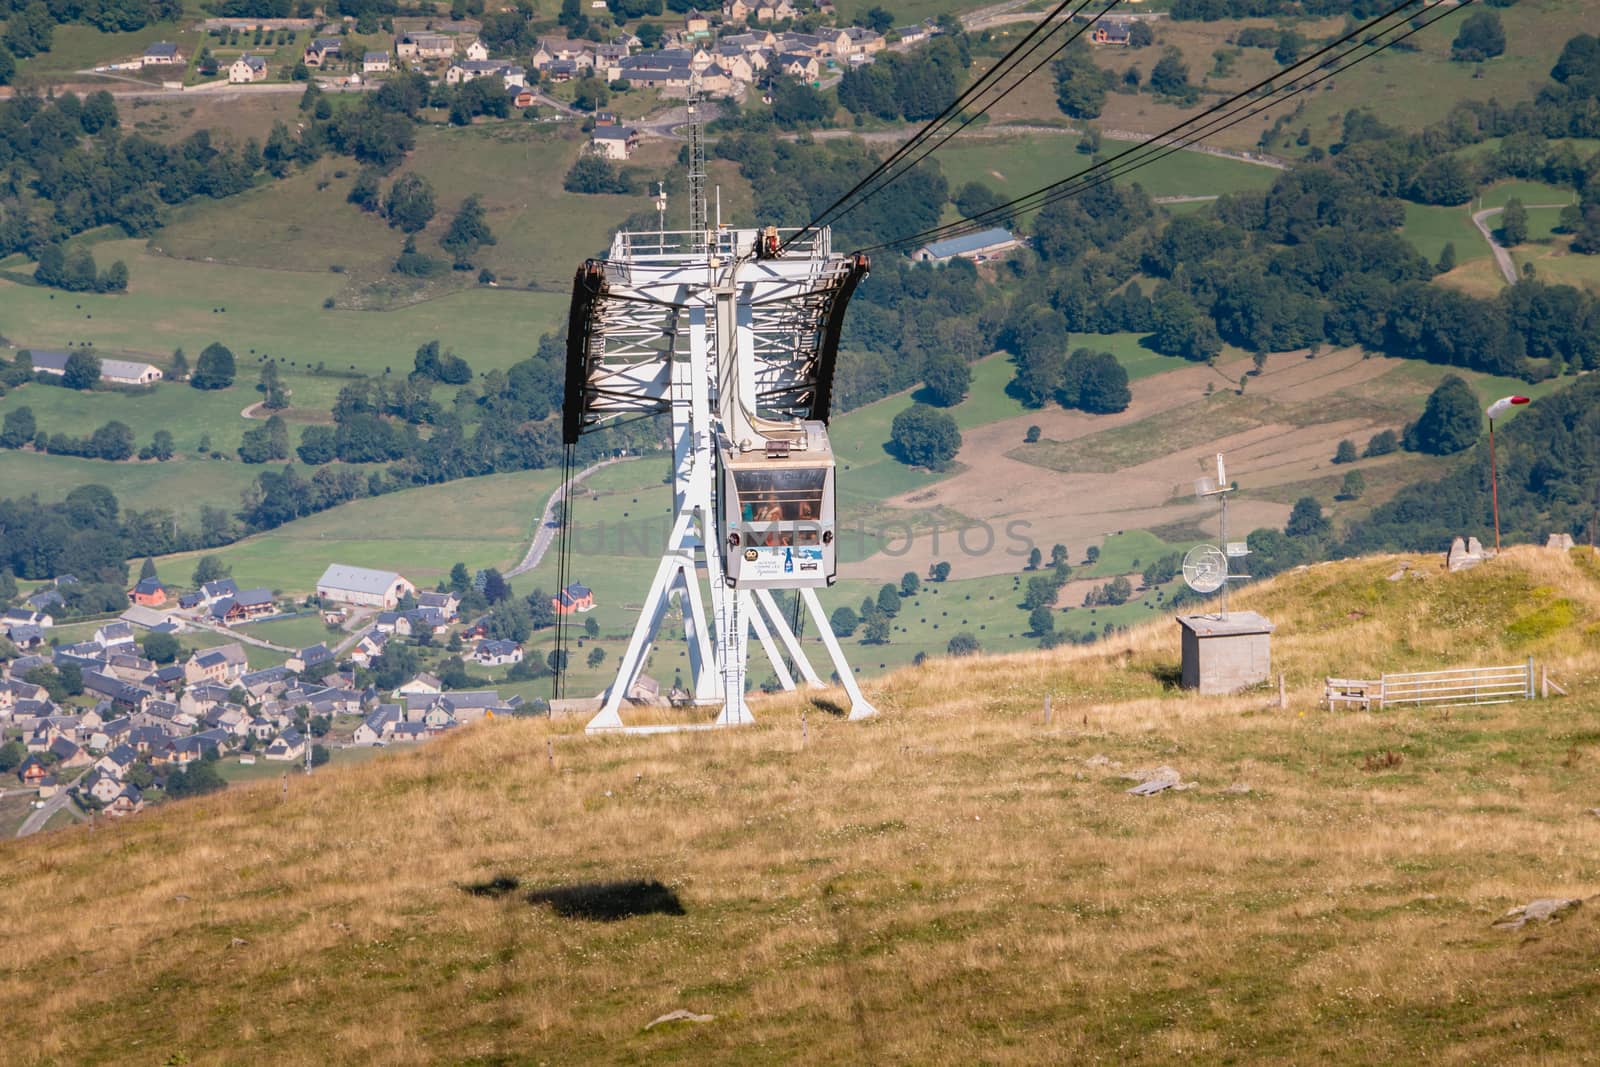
[596,901]
[829,707]
[1170,675]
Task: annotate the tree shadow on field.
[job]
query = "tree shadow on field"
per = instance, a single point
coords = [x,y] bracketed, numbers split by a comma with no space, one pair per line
[596,901]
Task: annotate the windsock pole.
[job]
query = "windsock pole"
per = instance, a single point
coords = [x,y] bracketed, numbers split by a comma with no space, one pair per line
[1498,408]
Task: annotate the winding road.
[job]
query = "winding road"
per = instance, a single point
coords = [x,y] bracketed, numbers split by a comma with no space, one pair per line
[39,816]
[546,531]
[1502,256]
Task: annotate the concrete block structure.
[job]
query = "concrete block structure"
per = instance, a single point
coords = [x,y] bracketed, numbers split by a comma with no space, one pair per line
[1225,654]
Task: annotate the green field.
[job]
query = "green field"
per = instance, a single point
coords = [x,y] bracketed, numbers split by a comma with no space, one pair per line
[301,631]
[1430,228]
[181,486]
[1013,166]
[305,223]
[1530,193]
[1392,84]
[484,522]
[173,303]
[78,46]
[188,414]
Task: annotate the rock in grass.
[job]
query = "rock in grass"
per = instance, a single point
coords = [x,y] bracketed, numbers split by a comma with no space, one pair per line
[682,1015]
[1545,909]
[1157,781]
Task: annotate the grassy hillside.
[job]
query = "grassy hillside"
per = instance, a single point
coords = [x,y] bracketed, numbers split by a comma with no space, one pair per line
[953,881]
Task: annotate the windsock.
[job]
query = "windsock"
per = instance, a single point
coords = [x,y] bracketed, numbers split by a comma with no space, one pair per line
[1504,404]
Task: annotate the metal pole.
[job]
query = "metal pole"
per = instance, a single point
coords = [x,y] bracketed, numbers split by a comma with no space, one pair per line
[1494,488]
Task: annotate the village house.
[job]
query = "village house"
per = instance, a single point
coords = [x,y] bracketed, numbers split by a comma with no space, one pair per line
[369,648]
[114,633]
[249,604]
[45,600]
[264,683]
[574,598]
[163,54]
[657,71]
[864,41]
[424,684]
[149,592]
[286,747]
[247,68]
[735,12]
[221,589]
[797,65]
[222,666]
[27,617]
[375,63]
[614,142]
[362,586]
[550,50]
[465,706]
[128,802]
[696,26]
[1112,31]
[321,49]
[309,659]
[377,726]
[476,50]
[496,653]
[425,46]
[102,787]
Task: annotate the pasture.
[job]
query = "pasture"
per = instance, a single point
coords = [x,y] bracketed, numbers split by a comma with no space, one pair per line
[1016,164]
[182,486]
[483,522]
[173,303]
[1003,900]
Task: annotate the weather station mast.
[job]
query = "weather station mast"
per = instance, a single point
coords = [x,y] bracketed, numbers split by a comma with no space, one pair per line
[732,333]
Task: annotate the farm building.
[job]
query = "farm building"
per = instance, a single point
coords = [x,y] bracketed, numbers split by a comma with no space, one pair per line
[359,585]
[980,245]
[127,372]
[114,371]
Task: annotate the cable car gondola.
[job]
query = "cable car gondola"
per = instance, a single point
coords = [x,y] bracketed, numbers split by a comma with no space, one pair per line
[777,505]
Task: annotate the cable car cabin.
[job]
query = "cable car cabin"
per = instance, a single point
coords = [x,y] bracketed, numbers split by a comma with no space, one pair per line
[778,514]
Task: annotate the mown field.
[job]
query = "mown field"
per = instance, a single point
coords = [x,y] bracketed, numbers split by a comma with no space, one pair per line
[1325,890]
[422,533]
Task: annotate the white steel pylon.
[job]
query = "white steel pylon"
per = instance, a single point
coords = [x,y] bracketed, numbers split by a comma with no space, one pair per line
[731,344]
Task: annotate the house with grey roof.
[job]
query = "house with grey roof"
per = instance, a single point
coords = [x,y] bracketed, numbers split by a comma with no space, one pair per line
[162,54]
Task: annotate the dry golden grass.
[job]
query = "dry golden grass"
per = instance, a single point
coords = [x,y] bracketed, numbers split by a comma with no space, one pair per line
[952,882]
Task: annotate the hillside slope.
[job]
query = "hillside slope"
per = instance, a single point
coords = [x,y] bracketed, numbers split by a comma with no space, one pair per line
[955,880]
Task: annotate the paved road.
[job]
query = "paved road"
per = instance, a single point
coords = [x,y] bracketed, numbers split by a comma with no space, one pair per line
[546,532]
[36,820]
[1502,257]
